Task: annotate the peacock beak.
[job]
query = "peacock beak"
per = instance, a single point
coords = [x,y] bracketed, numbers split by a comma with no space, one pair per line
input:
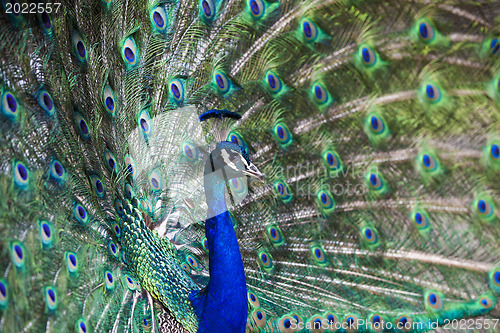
[252,171]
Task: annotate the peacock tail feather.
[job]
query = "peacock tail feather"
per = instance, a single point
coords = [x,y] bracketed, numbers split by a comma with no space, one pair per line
[376,125]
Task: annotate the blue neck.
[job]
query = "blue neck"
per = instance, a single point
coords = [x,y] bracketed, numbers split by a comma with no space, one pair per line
[224,306]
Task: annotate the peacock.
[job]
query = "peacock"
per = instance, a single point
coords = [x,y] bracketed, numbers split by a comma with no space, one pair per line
[230,166]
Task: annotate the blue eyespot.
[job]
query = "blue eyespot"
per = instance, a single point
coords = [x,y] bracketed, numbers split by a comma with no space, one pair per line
[129,191]
[221,81]
[319,255]
[282,134]
[130,282]
[46,234]
[155,181]
[108,100]
[145,123]
[332,160]
[45,101]
[433,301]
[326,202]
[192,261]
[116,230]
[177,90]
[377,124]
[429,162]
[97,185]
[109,161]
[204,244]
[119,207]
[253,299]
[494,46]
[309,30]
[370,235]
[129,162]
[484,208]
[257,8]
[109,280]
[159,19]
[283,191]
[17,254]
[50,298]
[190,151]
[320,94]
[80,213]
[130,52]
[3,294]
[420,219]
[426,32]
[486,302]
[113,249]
[259,317]
[71,263]
[275,235]
[81,126]
[495,151]
[186,267]
[375,181]
[207,9]
[79,46]
[236,138]
[10,106]
[81,327]
[265,260]
[368,56]
[433,93]
[21,175]
[57,171]
[46,22]
[273,82]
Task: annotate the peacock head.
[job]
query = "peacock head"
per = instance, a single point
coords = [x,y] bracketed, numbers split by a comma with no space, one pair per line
[230,160]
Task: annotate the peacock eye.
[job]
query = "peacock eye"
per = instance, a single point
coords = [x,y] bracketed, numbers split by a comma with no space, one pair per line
[309,30]
[429,162]
[108,99]
[109,280]
[81,327]
[80,213]
[71,263]
[110,161]
[221,82]
[17,254]
[97,186]
[46,22]
[82,127]
[432,93]
[208,9]
[426,32]
[50,298]
[130,52]
[9,105]
[21,175]
[326,202]
[79,46]
[273,82]
[434,301]
[320,94]
[375,181]
[46,234]
[45,101]
[377,125]
[257,8]
[159,19]
[318,255]
[130,283]
[129,162]
[177,90]
[145,123]
[282,134]
[368,56]
[495,46]
[155,181]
